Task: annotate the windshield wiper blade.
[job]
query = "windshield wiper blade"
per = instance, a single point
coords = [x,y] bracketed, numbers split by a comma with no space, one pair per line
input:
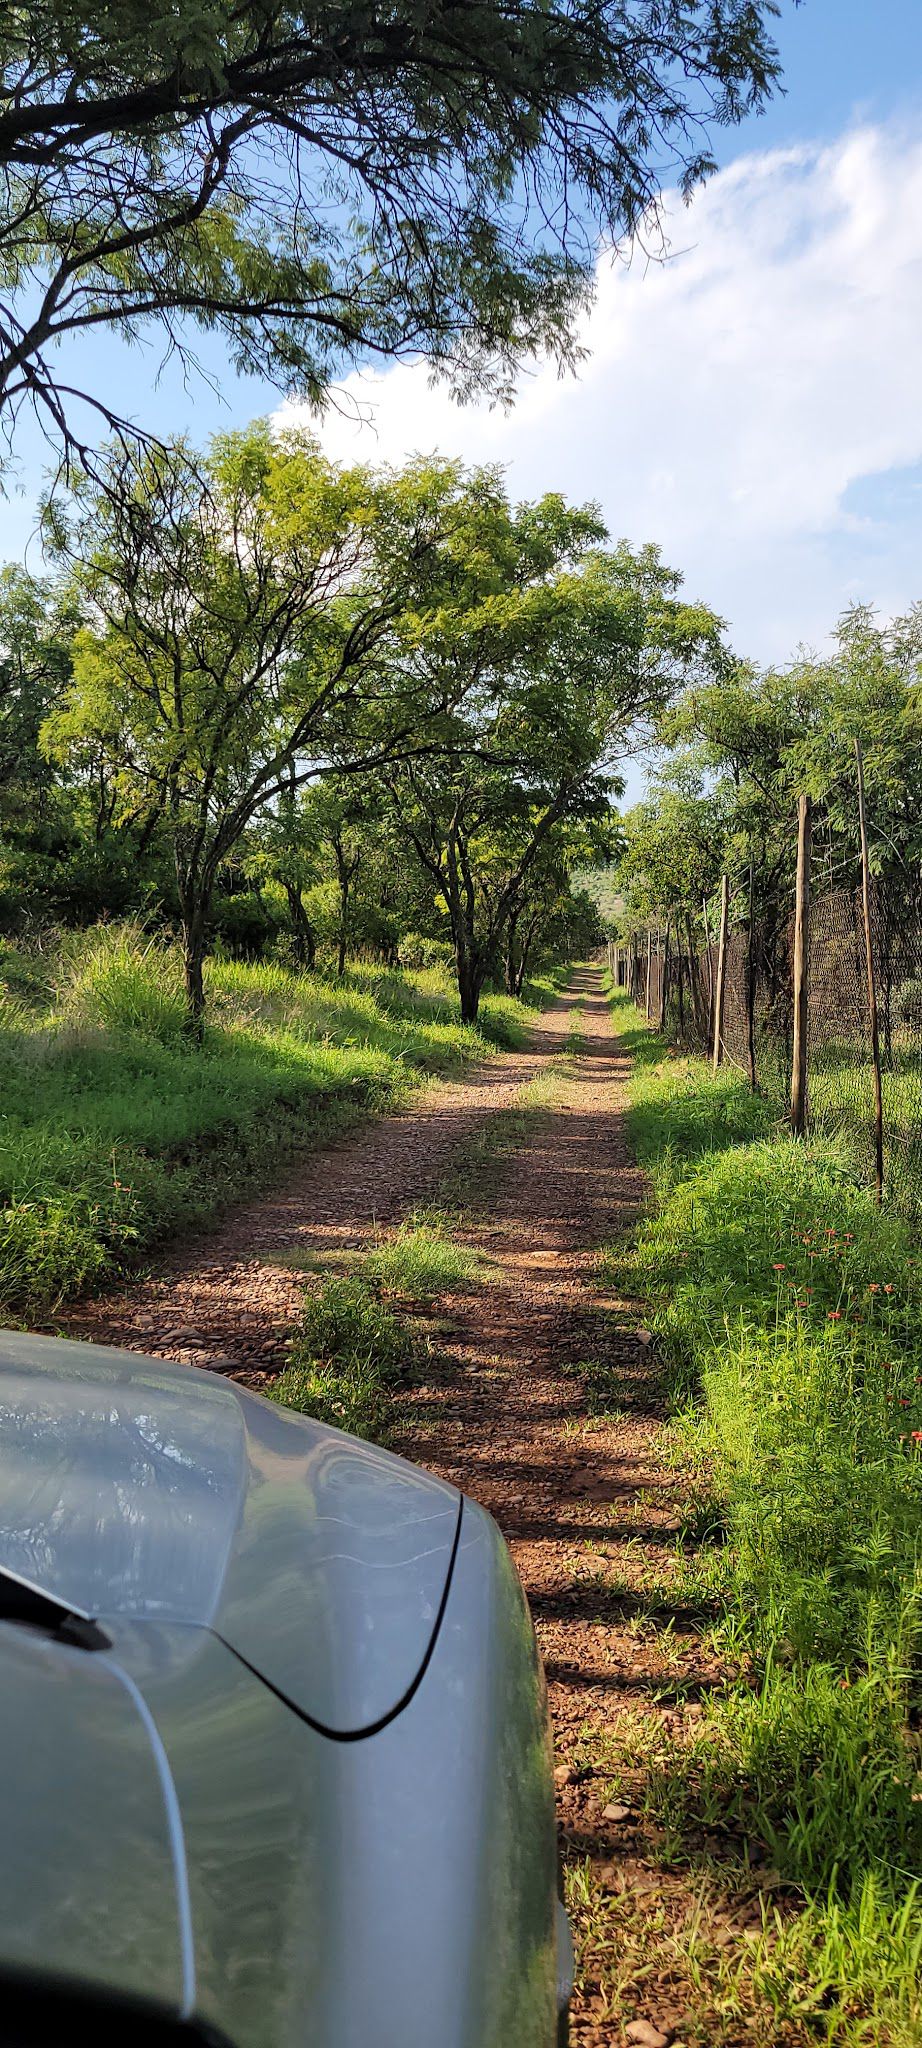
[24,1602]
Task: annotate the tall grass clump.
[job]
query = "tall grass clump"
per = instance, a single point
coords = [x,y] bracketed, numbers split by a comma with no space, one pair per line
[421,1260]
[349,1353]
[124,980]
[787,1310]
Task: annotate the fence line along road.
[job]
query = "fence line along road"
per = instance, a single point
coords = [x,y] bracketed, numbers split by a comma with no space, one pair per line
[861,992]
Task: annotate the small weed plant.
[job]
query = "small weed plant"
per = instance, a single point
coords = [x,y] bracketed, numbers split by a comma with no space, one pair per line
[349,1354]
[422,1260]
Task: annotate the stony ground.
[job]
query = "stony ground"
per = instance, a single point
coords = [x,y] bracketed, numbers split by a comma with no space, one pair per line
[508,1414]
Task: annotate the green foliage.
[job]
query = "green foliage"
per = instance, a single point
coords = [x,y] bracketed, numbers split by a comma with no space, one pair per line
[317,184]
[782,1294]
[907,1003]
[448,670]
[420,1261]
[349,1352]
[739,748]
[126,982]
[563,652]
[117,1131]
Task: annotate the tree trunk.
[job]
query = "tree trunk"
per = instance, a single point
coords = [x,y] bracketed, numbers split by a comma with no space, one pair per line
[470,982]
[665,965]
[511,972]
[193,954]
[345,869]
[345,879]
[305,937]
[194,889]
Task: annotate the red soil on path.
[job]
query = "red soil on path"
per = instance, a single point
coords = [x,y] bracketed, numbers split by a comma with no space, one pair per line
[506,1411]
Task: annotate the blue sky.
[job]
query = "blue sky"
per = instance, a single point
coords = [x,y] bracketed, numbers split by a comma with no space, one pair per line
[842,60]
[753,405]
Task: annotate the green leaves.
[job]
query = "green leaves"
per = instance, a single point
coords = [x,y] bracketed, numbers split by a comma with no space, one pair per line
[315,185]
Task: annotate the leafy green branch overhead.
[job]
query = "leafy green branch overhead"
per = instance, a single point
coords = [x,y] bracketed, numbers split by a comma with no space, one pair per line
[345,181]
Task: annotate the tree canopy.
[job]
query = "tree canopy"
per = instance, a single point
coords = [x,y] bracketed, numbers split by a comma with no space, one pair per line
[233,614]
[346,181]
[461,673]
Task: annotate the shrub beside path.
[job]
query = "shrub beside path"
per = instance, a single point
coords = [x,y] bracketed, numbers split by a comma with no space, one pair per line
[540,1401]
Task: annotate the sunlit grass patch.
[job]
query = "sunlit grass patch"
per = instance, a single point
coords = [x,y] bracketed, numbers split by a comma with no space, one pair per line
[421,1261]
[734,1958]
[118,1130]
[350,1352]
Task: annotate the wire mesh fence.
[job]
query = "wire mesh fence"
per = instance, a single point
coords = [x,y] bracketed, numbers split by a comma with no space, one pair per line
[674,981]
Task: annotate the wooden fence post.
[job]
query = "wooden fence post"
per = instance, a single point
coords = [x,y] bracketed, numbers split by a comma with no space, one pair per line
[801,967]
[721,982]
[872,983]
[696,979]
[751,989]
[664,980]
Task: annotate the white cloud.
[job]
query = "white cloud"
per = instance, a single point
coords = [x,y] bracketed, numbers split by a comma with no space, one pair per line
[732,396]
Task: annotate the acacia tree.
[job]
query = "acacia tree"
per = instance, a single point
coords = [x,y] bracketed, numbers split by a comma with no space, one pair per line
[762,737]
[551,909]
[58,854]
[563,677]
[342,810]
[341,180]
[233,626]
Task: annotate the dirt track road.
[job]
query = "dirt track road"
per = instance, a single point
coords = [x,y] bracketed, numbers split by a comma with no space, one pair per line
[506,1414]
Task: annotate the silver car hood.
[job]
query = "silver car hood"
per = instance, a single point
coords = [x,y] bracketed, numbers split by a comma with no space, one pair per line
[92,1874]
[135,1489]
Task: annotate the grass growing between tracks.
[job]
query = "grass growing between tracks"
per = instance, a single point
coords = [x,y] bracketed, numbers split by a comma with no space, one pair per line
[363,1332]
[116,1131]
[366,1331]
[787,1312]
[350,1355]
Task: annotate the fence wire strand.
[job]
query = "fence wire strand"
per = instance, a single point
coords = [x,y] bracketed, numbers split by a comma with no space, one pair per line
[758,1016]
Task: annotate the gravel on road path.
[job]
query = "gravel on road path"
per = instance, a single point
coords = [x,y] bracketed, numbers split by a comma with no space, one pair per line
[506,1414]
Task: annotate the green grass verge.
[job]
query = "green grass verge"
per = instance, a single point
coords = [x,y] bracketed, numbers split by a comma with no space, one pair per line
[787,1310]
[116,1132]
